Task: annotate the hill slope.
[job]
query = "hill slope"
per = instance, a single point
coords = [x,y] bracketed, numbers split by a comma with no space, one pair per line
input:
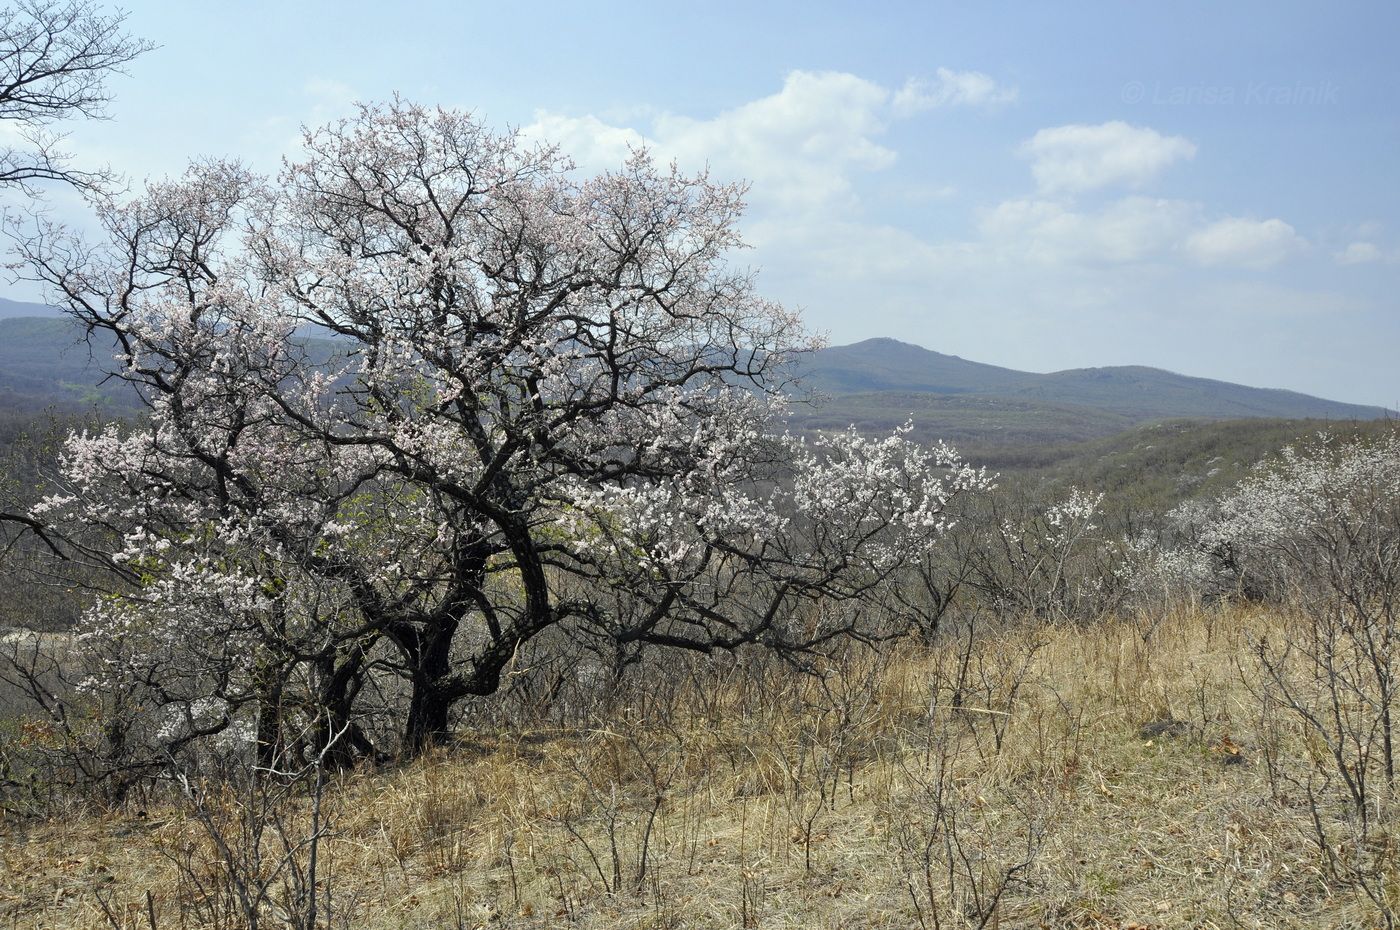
[890,365]
[45,362]
[13,308]
[875,385]
[879,383]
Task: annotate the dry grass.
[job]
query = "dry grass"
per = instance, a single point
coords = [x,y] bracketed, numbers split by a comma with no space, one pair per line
[774,800]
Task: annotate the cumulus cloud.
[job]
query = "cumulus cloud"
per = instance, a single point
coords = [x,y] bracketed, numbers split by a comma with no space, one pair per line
[1364,253]
[950,88]
[1130,229]
[590,142]
[798,147]
[1244,242]
[1078,157]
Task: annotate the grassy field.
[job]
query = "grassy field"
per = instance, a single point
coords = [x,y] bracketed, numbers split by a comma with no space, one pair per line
[1118,776]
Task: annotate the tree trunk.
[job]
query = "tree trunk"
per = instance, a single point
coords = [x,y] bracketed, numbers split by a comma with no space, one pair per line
[338,735]
[270,743]
[430,705]
[427,726]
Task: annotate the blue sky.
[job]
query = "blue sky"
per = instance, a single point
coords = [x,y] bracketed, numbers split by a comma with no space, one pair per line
[1201,187]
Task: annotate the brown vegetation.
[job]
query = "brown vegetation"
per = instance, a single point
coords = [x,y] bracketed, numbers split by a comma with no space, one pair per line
[1120,775]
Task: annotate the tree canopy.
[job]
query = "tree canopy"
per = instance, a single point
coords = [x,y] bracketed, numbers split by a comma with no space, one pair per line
[538,402]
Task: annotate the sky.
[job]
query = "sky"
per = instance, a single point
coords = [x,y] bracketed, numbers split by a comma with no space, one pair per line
[1206,188]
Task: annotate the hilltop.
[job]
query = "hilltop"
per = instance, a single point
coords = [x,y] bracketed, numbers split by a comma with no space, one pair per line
[874,385]
[879,383]
[17,308]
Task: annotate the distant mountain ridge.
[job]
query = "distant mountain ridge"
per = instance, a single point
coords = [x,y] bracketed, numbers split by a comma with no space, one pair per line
[884,364]
[882,382]
[874,385]
[45,362]
[9,309]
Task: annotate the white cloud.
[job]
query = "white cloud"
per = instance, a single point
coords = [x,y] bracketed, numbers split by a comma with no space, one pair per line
[1079,157]
[1026,264]
[1130,229]
[1359,253]
[593,144]
[950,89]
[801,147]
[1244,242]
[798,147]
[1363,253]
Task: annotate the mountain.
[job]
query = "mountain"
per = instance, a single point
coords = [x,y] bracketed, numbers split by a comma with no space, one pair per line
[45,362]
[878,365]
[880,383]
[1147,393]
[13,308]
[874,385]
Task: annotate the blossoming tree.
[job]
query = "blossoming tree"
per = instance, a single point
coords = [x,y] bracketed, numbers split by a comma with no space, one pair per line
[429,394]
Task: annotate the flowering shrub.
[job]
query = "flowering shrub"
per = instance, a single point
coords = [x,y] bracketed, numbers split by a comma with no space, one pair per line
[1322,520]
[1048,558]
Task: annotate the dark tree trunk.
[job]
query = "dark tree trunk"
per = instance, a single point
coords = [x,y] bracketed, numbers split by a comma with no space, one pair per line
[427,726]
[270,742]
[434,690]
[337,733]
